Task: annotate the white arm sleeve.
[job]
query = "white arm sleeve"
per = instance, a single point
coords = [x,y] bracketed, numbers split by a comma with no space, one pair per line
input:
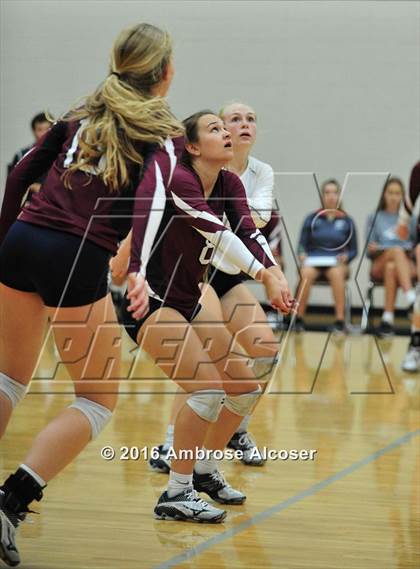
[234,251]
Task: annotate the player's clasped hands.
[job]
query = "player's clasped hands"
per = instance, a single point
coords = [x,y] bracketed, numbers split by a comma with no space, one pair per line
[138,296]
[277,289]
[118,266]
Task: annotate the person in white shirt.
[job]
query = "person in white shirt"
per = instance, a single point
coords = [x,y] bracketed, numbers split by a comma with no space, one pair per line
[225,290]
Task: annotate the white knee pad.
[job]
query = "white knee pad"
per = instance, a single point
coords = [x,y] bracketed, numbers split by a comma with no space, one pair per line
[243,403]
[207,403]
[14,390]
[97,415]
[264,365]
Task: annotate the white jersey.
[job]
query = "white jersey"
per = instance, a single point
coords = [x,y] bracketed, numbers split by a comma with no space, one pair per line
[258,181]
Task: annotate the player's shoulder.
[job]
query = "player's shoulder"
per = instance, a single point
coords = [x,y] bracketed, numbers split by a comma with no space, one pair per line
[231,183]
[164,154]
[179,145]
[229,177]
[259,167]
[183,174]
[171,147]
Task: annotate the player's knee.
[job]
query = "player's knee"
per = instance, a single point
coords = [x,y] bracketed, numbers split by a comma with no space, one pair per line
[108,400]
[263,366]
[244,403]
[12,389]
[98,415]
[207,403]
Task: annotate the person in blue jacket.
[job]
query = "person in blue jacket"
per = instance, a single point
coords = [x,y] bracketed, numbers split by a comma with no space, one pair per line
[327,244]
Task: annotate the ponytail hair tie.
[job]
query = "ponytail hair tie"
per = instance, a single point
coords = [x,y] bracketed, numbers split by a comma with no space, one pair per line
[116,74]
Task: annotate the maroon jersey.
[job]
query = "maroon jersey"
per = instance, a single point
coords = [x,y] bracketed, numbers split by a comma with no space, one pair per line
[414,190]
[175,230]
[272,232]
[87,208]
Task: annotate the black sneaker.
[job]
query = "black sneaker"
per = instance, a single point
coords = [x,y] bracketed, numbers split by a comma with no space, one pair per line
[299,325]
[8,525]
[215,486]
[161,463]
[251,456]
[339,327]
[385,330]
[187,507]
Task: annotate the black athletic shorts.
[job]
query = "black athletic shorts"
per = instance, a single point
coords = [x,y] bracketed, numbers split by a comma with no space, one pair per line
[224,282]
[53,264]
[133,326]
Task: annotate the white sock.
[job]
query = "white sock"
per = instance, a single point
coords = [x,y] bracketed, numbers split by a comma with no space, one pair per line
[178,483]
[243,427]
[205,466]
[410,296]
[34,475]
[388,317]
[169,441]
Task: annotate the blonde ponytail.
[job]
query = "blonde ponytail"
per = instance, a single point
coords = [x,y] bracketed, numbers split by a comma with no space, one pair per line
[122,113]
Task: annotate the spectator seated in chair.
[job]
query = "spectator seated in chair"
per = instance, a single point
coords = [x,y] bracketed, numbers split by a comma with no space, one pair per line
[392,262]
[327,245]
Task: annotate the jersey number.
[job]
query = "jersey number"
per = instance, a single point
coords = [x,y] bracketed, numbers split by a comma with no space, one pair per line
[206,253]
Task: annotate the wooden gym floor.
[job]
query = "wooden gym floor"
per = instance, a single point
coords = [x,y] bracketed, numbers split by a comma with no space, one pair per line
[355,506]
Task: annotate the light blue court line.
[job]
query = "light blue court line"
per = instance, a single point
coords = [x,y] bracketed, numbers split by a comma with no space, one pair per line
[264,515]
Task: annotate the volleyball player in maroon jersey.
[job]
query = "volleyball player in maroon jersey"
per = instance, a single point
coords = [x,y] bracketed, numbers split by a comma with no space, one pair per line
[54,258]
[241,311]
[177,224]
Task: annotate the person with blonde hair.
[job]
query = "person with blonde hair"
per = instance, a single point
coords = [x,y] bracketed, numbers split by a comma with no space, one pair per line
[55,253]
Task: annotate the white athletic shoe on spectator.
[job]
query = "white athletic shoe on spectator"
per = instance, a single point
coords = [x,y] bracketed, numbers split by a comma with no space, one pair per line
[411,361]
